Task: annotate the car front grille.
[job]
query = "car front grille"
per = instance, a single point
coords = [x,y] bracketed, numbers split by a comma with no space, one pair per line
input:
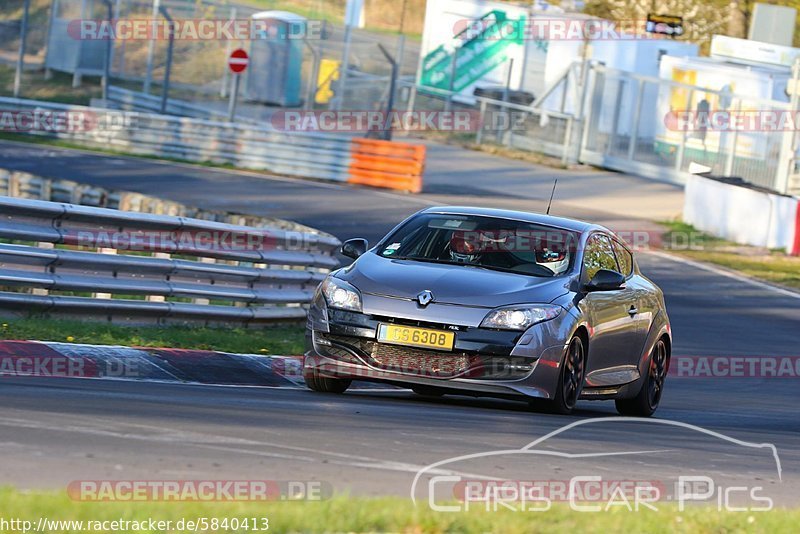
[423,362]
[431,363]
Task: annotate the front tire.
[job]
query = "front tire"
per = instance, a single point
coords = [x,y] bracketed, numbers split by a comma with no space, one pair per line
[324,384]
[570,381]
[645,403]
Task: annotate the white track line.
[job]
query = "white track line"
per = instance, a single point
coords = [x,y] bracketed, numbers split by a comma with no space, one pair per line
[724,272]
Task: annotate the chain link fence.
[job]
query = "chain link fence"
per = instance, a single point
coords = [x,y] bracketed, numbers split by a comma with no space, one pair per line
[632,123]
[11,14]
[199,73]
[654,127]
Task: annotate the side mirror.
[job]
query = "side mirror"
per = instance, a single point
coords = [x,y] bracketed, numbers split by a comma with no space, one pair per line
[353,248]
[606,280]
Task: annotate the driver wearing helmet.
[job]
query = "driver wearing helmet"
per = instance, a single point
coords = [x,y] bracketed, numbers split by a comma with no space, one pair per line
[464,247]
[479,247]
[553,256]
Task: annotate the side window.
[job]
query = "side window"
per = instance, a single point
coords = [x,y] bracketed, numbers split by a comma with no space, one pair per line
[624,258]
[598,255]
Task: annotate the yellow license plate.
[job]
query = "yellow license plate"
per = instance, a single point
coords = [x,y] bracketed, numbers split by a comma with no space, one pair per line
[416,337]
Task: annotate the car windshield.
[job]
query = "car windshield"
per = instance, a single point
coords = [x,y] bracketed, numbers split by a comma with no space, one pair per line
[483,242]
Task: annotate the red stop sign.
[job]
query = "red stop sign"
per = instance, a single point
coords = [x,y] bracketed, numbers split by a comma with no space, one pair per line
[238,61]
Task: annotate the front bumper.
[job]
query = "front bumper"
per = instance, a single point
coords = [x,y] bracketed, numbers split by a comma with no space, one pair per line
[483,361]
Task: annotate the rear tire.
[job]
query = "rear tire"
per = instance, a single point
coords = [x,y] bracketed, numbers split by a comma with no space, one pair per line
[324,384]
[570,380]
[645,403]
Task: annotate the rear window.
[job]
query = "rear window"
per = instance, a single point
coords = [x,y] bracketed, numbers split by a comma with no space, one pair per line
[488,242]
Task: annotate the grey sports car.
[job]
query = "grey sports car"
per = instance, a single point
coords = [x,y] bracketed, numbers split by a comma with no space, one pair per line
[485,302]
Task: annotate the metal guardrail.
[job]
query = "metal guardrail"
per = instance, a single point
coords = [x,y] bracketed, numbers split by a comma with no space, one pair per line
[320,156]
[311,155]
[22,184]
[126,99]
[181,269]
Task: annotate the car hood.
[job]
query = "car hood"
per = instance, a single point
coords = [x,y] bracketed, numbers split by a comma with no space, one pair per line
[450,284]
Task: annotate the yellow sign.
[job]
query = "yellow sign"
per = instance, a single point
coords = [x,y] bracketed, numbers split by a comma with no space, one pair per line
[328,72]
[416,337]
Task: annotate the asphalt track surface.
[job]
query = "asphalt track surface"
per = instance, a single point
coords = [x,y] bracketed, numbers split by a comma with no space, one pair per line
[53,431]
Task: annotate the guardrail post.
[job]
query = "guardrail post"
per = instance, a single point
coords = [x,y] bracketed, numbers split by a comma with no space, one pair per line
[5,182]
[204,301]
[158,298]
[41,290]
[103,250]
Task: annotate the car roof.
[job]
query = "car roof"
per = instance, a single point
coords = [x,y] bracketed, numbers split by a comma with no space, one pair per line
[536,218]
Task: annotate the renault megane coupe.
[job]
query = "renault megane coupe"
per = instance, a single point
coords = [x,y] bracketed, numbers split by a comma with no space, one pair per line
[485,302]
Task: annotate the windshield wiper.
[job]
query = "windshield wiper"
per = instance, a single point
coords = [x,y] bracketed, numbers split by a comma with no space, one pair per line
[479,266]
[424,260]
[503,269]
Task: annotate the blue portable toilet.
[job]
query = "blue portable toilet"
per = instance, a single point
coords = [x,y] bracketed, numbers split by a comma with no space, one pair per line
[276,59]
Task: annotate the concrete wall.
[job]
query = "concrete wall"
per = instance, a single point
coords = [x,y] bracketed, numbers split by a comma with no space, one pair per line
[743,215]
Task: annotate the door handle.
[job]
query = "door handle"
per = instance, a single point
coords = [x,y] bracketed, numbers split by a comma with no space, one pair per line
[633,311]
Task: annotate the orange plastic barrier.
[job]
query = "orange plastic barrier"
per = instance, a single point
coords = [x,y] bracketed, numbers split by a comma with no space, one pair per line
[387,164]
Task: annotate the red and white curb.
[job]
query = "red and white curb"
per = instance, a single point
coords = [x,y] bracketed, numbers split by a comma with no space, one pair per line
[186,366]
[70,360]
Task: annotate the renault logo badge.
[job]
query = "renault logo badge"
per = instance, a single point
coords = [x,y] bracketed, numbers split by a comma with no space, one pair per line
[425,298]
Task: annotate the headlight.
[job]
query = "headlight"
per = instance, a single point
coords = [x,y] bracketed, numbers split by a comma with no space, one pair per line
[520,317]
[340,294]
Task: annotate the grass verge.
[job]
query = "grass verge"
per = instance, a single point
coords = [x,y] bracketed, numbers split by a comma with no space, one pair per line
[772,266]
[282,340]
[56,89]
[342,514]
